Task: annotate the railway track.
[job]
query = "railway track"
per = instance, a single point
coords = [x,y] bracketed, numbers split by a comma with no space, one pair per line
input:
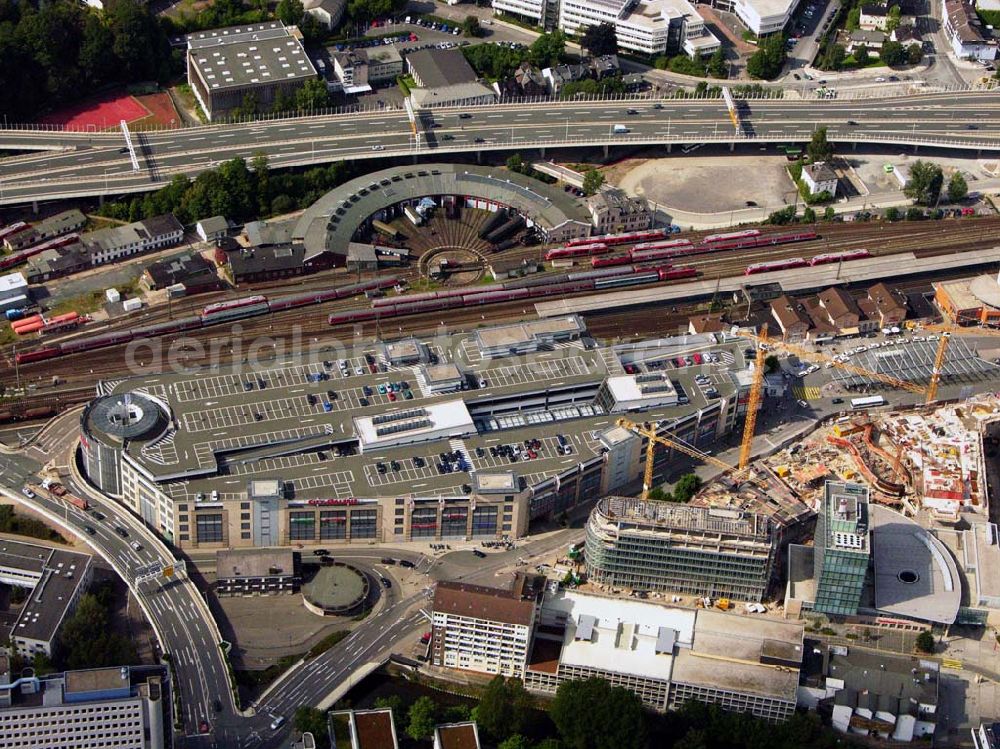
[81,372]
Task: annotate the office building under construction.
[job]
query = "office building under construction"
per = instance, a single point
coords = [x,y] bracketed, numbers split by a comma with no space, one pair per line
[658,546]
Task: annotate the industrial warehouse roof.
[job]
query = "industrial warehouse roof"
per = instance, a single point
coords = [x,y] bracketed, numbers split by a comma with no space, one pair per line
[241,56]
[330,222]
[624,636]
[232,426]
[435,68]
[747,654]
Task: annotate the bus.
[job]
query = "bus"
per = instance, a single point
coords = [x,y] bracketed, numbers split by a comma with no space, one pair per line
[872,401]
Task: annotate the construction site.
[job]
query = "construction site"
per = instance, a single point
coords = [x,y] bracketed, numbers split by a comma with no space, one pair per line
[928,544]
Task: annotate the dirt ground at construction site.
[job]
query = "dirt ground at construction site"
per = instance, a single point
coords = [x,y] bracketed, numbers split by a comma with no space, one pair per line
[695,184]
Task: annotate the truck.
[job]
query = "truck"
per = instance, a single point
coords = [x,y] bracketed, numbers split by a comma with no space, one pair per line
[413,216]
[619,129]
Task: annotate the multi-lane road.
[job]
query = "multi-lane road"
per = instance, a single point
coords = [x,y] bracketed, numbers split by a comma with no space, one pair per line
[184,625]
[82,164]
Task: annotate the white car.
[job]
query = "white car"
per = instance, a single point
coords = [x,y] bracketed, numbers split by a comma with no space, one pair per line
[378,148]
[880,79]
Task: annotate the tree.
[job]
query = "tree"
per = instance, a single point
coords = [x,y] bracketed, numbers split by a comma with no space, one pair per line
[600,40]
[924,185]
[695,738]
[829,213]
[833,58]
[925,641]
[685,65]
[656,494]
[86,639]
[422,719]
[312,96]
[771,363]
[309,719]
[819,148]
[686,487]
[140,44]
[592,181]
[515,163]
[892,20]
[861,55]
[504,708]
[892,214]
[289,12]
[471,26]
[548,49]
[809,215]
[958,189]
[914,54]
[395,703]
[769,58]
[591,714]
[516,741]
[892,53]
[717,63]
[784,216]
[97,59]
[549,743]
[914,214]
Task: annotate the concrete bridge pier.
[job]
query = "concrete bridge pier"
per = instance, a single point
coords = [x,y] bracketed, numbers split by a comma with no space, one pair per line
[542,151]
[606,149]
[34,207]
[732,146]
[479,157]
[670,147]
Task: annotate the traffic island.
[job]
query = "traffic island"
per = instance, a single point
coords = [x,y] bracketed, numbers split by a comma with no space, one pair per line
[338,589]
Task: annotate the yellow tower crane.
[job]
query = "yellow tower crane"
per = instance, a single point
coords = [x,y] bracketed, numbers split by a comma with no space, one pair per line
[652,439]
[753,403]
[763,345]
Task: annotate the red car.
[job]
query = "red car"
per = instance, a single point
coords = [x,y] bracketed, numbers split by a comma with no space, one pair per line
[392,396]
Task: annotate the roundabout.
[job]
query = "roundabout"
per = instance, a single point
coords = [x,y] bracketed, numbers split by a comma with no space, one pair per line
[338,589]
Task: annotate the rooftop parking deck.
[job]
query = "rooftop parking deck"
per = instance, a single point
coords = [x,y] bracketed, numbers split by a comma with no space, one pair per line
[537,415]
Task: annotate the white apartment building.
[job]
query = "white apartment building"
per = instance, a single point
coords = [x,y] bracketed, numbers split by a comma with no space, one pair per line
[762,17]
[646,27]
[109,245]
[970,39]
[55,579]
[107,708]
[485,629]
[534,11]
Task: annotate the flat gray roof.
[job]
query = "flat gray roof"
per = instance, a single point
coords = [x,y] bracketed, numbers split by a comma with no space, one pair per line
[915,574]
[241,563]
[243,56]
[726,654]
[441,67]
[55,573]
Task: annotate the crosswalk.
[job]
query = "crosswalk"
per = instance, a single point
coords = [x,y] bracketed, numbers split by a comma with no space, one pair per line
[458,445]
[806,392]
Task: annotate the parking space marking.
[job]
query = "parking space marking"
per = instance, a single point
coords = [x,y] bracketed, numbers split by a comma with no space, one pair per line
[408,471]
